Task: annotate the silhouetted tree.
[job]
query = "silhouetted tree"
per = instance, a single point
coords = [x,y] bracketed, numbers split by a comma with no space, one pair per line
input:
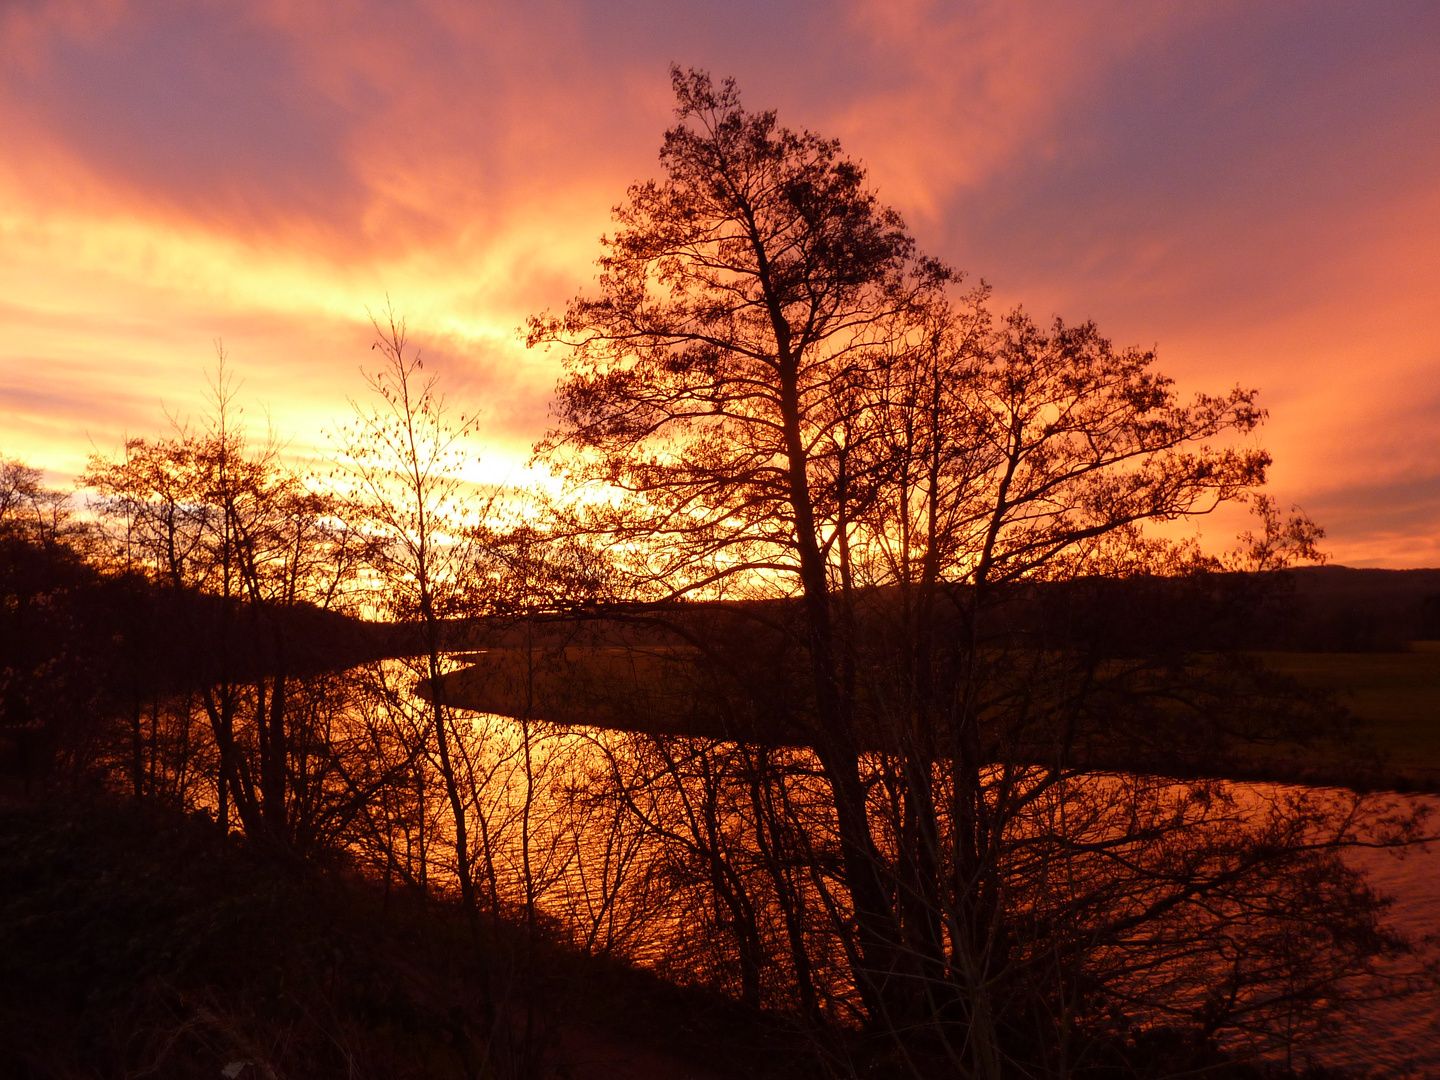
[241,543]
[55,654]
[773,394]
[402,457]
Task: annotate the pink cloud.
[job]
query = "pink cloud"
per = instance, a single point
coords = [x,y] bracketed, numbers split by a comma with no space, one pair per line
[1253,191]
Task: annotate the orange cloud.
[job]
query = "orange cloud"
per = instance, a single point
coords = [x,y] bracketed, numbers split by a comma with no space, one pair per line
[1253,191]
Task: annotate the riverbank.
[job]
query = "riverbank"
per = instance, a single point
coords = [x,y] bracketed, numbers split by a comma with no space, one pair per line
[1395,697]
[140,943]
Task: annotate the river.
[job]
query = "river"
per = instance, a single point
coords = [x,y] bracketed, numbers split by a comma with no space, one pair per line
[1399,1038]
[597,883]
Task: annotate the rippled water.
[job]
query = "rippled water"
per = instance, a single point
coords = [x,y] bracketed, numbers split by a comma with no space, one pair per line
[1392,1038]
[1399,1038]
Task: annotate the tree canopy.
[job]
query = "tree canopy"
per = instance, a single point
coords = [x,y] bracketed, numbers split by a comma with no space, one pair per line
[773,393]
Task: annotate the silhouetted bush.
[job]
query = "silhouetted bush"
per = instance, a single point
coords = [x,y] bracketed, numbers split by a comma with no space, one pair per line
[132,941]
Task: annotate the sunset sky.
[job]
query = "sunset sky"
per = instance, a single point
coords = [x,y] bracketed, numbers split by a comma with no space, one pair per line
[1254,188]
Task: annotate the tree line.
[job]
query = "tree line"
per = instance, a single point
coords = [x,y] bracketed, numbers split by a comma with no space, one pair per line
[949,800]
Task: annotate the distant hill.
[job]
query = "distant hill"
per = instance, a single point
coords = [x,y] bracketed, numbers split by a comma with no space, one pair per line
[1308,609]
[1342,609]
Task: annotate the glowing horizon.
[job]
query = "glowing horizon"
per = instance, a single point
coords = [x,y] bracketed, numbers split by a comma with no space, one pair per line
[1256,193]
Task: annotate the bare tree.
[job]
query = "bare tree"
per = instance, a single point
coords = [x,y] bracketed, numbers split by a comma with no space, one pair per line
[403,458]
[778,397]
[241,543]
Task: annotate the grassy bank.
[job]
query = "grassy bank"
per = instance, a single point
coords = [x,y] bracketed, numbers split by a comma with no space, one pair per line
[1395,696]
[134,943]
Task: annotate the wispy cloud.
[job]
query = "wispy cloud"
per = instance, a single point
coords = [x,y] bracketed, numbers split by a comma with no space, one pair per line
[1253,189]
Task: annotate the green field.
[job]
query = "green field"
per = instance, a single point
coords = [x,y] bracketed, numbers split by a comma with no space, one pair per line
[1397,695]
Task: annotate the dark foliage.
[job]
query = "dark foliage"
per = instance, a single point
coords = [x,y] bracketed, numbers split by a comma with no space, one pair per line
[140,943]
[134,943]
[79,645]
